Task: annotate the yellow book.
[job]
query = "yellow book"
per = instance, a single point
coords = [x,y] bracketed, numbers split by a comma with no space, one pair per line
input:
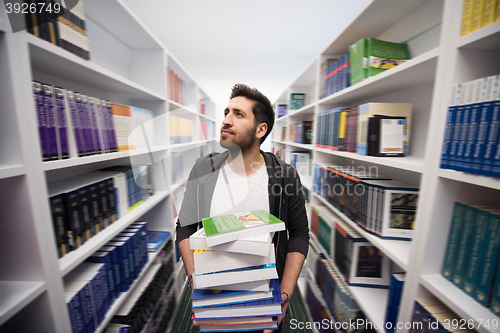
[490,13]
[465,28]
[477,15]
[341,141]
[497,10]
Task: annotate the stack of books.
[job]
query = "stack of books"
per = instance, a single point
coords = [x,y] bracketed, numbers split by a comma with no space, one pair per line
[236,285]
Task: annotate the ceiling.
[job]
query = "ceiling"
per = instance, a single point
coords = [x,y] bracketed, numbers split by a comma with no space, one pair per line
[265,44]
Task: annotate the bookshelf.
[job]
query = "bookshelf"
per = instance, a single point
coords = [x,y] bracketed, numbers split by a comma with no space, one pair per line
[128,66]
[439,59]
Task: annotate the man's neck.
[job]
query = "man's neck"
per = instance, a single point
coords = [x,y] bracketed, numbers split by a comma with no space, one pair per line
[246,163]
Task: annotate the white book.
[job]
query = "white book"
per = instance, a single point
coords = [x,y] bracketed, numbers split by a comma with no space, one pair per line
[239,311]
[258,245]
[240,275]
[208,261]
[262,285]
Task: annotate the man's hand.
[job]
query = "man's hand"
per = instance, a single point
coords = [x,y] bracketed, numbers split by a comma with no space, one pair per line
[284,307]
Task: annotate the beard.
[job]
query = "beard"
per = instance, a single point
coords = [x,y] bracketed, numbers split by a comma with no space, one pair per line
[235,142]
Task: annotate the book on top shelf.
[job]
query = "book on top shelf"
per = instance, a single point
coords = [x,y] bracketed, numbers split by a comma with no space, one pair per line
[297,101]
[383,55]
[257,245]
[223,229]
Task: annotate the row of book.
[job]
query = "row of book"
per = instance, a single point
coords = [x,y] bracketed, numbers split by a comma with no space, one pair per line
[471,257]
[335,74]
[73,124]
[373,129]
[176,87]
[478,14]
[431,315]
[152,301]
[301,132]
[204,135]
[357,260]
[56,23]
[471,141]
[83,206]
[323,290]
[181,130]
[92,287]
[241,262]
[371,56]
[381,206]
[282,110]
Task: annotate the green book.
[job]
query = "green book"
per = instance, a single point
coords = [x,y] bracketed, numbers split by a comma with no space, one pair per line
[495,298]
[453,240]
[382,55]
[465,244]
[489,258]
[478,237]
[297,101]
[227,228]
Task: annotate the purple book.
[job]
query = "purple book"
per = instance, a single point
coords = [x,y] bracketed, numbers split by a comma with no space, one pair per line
[50,121]
[61,125]
[95,129]
[111,126]
[102,125]
[40,112]
[75,118]
[82,115]
[88,121]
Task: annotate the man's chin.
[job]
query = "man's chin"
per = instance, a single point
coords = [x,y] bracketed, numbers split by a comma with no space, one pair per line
[233,147]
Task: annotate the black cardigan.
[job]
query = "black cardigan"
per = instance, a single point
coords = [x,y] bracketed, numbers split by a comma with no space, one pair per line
[285,202]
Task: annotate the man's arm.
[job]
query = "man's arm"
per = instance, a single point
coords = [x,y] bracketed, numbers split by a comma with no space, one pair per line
[187,257]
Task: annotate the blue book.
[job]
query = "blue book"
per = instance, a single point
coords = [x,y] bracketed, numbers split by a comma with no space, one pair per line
[492,140]
[482,135]
[269,308]
[393,300]
[457,162]
[203,298]
[156,239]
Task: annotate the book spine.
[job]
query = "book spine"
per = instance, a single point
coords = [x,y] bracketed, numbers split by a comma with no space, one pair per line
[467,11]
[457,162]
[453,240]
[482,136]
[489,15]
[60,224]
[75,315]
[477,14]
[62,125]
[489,260]
[465,246]
[50,121]
[95,127]
[478,238]
[492,139]
[41,119]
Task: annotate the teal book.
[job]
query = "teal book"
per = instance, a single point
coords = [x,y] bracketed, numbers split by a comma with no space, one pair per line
[489,258]
[453,240]
[495,298]
[476,253]
[383,55]
[227,228]
[465,245]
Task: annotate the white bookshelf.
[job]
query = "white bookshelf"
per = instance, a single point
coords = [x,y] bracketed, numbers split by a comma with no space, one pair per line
[128,66]
[439,59]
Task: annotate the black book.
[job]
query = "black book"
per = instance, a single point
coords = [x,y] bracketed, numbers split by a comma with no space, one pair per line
[59,221]
[386,136]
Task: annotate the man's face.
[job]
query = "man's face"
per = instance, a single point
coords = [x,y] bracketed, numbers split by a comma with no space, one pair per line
[238,126]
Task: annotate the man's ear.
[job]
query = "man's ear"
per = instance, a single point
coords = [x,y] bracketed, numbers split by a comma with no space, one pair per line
[261,130]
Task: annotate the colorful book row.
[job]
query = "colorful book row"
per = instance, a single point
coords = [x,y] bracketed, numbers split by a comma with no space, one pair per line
[301,132]
[366,129]
[73,124]
[180,130]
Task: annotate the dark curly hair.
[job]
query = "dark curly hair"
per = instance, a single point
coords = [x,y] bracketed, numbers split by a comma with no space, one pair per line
[262,107]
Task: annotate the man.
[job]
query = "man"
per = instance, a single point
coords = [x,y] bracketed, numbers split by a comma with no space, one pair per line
[235,181]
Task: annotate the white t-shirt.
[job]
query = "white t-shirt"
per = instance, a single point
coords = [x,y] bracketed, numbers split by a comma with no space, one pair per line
[248,192]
